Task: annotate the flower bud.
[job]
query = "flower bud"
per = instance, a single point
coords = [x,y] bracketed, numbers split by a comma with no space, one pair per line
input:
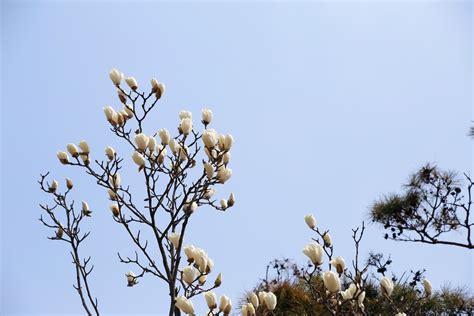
[131,279]
[60,232]
[112,195]
[186,126]
[224,174]
[122,96]
[228,141]
[331,281]
[231,200]
[185,114]
[116,76]
[138,159]
[270,300]
[209,169]
[244,310]
[209,138]
[250,309]
[228,308]
[54,186]
[209,193]
[86,211]
[73,150]
[151,144]
[84,147]
[128,110]
[109,113]
[174,146]
[226,158]
[132,83]
[253,298]
[164,136]
[218,280]
[63,157]
[185,305]
[174,239]
[386,285]
[327,240]
[339,264]
[202,279]
[314,252]
[310,221]
[115,181]
[110,152]
[223,302]
[428,287]
[210,299]
[158,88]
[189,274]
[224,203]
[361,298]
[141,140]
[115,209]
[206,116]
[69,183]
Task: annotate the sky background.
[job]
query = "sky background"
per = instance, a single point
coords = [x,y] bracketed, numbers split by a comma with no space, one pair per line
[331,105]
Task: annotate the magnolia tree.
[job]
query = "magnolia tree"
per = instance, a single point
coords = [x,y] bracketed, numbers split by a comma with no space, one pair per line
[435,208]
[327,285]
[176,184]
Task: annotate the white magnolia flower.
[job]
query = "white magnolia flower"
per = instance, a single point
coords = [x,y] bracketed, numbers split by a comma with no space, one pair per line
[158,88]
[253,298]
[386,285]
[138,159]
[151,144]
[244,310]
[250,309]
[209,169]
[218,280]
[185,114]
[115,209]
[116,76]
[122,96]
[209,138]
[270,300]
[186,126]
[223,203]
[211,299]
[189,274]
[110,152]
[63,157]
[164,136]
[131,278]
[400,314]
[112,194]
[314,252]
[73,150]
[223,302]
[183,152]
[428,287]
[115,180]
[127,109]
[206,116]
[132,83]
[224,174]
[226,157]
[84,147]
[361,298]
[339,264]
[202,279]
[109,113]
[228,141]
[209,193]
[185,305]
[174,238]
[331,281]
[348,294]
[310,221]
[174,146]
[327,240]
[85,209]
[141,140]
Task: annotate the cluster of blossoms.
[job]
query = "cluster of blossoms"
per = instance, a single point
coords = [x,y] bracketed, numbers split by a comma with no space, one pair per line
[264,301]
[354,292]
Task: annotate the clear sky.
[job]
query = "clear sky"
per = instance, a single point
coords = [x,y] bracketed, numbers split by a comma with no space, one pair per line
[331,105]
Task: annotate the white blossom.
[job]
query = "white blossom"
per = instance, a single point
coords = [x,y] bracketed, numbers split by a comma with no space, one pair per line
[110,152]
[174,146]
[141,140]
[428,287]
[228,141]
[151,144]
[231,200]
[327,240]
[314,252]
[386,285]
[186,126]
[69,183]
[339,264]
[224,174]
[185,305]
[209,193]
[206,116]
[185,114]
[138,159]
[132,83]
[109,113]
[361,298]
[84,147]
[270,300]
[310,221]
[164,136]
[115,209]
[85,208]
[209,169]
[63,157]
[223,302]
[54,186]
[226,157]
[253,298]
[115,180]
[131,278]
[218,280]
[223,203]
[189,274]
[73,150]
[211,299]
[209,138]
[174,238]
[116,76]
[331,281]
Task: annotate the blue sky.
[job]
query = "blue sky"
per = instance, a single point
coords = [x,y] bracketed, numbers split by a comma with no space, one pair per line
[331,105]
